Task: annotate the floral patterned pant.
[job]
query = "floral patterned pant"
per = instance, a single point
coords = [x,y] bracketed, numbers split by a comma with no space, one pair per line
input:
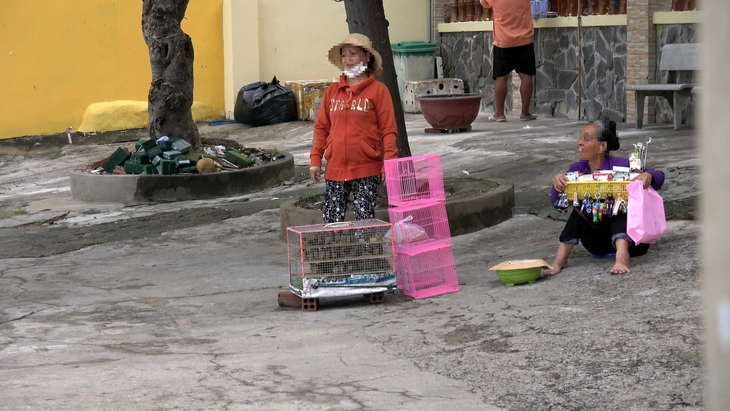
[337,193]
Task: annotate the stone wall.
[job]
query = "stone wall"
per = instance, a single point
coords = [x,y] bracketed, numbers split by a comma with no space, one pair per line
[556,82]
[468,56]
[675,34]
[603,73]
[592,88]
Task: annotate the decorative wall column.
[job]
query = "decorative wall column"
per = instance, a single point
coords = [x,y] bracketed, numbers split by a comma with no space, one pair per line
[437,16]
[641,55]
[240,48]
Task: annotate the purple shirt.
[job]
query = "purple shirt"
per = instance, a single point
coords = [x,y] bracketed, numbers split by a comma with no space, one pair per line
[608,164]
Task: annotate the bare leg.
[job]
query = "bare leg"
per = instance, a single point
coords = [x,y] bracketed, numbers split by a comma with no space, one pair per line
[500,95]
[622,257]
[525,93]
[561,258]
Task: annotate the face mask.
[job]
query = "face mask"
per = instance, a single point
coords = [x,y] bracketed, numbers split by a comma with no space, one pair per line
[356,71]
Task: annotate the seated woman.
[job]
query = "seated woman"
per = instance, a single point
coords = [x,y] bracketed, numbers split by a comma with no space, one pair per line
[608,236]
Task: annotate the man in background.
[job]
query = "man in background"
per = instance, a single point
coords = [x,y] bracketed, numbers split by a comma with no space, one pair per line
[513,50]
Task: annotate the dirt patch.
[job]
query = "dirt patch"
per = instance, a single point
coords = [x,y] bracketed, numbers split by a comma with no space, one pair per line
[454,188]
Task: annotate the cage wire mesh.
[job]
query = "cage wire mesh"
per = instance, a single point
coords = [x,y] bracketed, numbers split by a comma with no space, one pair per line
[427,271]
[420,224]
[413,179]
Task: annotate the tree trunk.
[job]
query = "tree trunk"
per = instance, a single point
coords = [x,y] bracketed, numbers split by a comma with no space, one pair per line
[171,59]
[368,17]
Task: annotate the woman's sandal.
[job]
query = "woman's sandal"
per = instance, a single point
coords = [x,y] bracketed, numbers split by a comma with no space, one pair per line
[496,119]
[528,118]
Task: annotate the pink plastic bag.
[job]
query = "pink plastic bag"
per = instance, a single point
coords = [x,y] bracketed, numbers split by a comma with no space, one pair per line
[646,221]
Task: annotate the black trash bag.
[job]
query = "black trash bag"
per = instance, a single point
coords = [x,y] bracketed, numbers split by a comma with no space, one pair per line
[262,104]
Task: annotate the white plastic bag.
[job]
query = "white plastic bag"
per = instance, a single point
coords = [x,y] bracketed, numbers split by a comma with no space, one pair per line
[407,232]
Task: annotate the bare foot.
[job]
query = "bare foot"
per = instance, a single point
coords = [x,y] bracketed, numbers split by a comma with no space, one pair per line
[557,267]
[622,257]
[561,259]
[621,266]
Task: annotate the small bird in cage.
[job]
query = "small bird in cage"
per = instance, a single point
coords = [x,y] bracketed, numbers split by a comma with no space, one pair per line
[318,239]
[370,266]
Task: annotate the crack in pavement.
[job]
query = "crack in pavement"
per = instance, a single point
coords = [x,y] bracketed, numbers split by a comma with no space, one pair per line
[22,317]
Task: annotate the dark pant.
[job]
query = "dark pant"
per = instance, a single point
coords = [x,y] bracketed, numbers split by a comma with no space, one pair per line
[520,59]
[599,238]
[365,198]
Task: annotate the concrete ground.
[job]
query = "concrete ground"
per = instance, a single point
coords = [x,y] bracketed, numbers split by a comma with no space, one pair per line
[164,306]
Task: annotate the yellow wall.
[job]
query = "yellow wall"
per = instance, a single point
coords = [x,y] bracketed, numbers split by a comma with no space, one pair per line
[293,37]
[294,40]
[59,56]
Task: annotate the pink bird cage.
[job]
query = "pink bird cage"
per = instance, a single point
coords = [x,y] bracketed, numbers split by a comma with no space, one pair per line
[414,179]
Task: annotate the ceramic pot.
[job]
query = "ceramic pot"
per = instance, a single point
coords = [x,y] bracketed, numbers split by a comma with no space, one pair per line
[450,112]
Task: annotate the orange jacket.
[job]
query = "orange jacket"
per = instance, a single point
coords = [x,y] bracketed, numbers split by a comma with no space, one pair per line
[355,130]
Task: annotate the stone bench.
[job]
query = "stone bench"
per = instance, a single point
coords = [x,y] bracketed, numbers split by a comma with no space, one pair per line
[432,87]
[675,58]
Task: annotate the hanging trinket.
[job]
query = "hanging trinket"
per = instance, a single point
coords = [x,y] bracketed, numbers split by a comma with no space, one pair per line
[601,211]
[586,208]
[596,207]
[617,205]
[565,203]
[562,203]
[576,203]
[608,205]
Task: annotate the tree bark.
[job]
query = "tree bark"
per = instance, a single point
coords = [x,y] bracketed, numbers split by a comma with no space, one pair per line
[368,17]
[171,59]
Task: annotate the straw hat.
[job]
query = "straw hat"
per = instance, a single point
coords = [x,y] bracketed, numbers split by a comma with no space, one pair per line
[354,39]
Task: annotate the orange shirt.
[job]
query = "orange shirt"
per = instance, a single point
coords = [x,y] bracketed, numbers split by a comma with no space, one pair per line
[355,130]
[512,22]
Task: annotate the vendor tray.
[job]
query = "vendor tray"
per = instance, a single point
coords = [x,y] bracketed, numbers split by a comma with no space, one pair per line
[594,188]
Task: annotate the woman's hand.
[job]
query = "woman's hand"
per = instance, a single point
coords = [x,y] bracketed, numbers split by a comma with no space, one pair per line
[314,173]
[559,182]
[645,178]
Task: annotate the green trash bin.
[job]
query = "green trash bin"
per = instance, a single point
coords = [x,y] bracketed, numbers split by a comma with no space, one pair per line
[414,60]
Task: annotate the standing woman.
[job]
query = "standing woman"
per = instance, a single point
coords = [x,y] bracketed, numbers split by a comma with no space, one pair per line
[355,131]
